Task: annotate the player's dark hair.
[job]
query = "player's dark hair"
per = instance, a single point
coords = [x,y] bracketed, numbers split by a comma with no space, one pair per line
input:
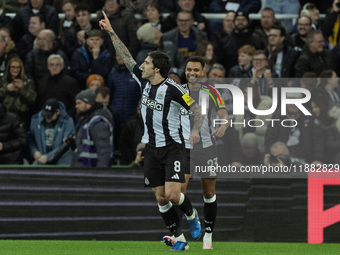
[195,59]
[162,61]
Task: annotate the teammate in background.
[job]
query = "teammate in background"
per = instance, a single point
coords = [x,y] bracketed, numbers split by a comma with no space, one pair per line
[205,152]
[161,102]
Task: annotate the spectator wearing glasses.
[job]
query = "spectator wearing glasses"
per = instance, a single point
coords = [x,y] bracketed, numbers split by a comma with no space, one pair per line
[17,91]
[313,57]
[186,36]
[280,55]
[304,25]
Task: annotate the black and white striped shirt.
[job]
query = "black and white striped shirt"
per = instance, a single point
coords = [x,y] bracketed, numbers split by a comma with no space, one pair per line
[160,109]
[213,103]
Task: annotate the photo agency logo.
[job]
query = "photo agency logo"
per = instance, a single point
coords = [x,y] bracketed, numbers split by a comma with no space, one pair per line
[292,96]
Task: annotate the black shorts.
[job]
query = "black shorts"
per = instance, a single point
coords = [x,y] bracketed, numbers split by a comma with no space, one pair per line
[164,164]
[202,159]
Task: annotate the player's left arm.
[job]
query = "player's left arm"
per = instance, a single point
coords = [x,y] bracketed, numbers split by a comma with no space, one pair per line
[222,113]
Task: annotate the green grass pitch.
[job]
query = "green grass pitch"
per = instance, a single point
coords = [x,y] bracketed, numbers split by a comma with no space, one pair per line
[136,248]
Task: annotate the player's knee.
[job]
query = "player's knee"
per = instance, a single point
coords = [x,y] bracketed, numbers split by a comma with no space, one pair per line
[173,197]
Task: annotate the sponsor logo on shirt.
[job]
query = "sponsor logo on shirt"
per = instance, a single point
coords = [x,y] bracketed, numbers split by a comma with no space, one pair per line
[152,104]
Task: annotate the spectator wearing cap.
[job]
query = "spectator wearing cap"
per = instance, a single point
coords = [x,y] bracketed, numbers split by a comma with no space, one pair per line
[58,84]
[123,23]
[75,36]
[92,58]
[304,138]
[21,19]
[185,36]
[94,81]
[49,129]
[36,59]
[12,138]
[94,132]
[230,44]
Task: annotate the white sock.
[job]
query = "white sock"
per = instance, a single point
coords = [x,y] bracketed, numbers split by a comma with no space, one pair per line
[164,208]
[207,238]
[180,238]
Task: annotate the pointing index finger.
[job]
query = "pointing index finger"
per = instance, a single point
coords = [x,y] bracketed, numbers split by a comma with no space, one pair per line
[105,17]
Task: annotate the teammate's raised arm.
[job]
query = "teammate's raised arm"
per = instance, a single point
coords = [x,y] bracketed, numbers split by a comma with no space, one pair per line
[119,46]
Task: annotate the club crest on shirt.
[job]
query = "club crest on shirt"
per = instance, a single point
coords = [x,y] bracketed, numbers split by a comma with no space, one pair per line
[160,95]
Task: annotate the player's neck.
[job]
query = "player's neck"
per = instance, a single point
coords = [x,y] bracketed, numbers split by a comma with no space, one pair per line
[157,79]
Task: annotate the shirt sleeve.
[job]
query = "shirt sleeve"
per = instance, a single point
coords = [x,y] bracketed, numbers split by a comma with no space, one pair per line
[181,95]
[137,75]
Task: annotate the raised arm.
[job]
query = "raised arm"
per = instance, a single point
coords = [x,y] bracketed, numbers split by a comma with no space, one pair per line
[119,46]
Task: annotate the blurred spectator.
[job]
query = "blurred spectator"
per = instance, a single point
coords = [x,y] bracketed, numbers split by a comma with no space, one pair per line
[251,154]
[17,91]
[229,149]
[281,57]
[12,137]
[186,37]
[57,84]
[249,6]
[304,139]
[309,81]
[171,21]
[92,58]
[262,75]
[151,39]
[206,49]
[216,32]
[329,86]
[48,132]
[285,7]
[320,106]
[124,92]
[75,36]
[7,51]
[94,132]
[130,137]
[331,24]
[267,21]
[13,6]
[154,15]
[22,18]
[173,75]
[69,21]
[5,21]
[245,66]
[123,23]
[167,6]
[304,25]
[310,10]
[36,60]
[333,138]
[313,57]
[26,43]
[229,45]
[260,102]
[103,96]
[280,155]
[94,81]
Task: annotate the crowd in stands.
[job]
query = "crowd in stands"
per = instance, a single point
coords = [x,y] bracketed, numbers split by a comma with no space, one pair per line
[47,63]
